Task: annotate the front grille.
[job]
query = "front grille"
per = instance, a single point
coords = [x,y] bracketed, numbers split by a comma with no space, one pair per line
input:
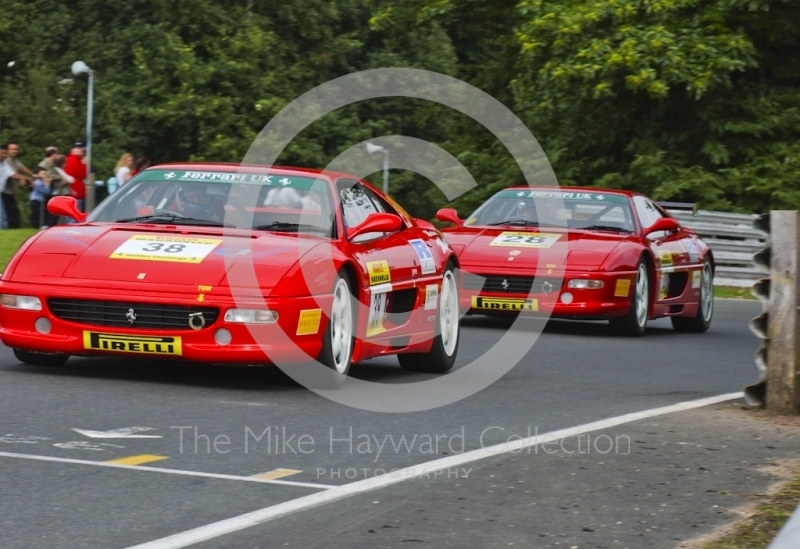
[510,284]
[154,316]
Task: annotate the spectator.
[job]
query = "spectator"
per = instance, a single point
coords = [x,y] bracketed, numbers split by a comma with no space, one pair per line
[142,163]
[75,167]
[40,194]
[9,179]
[21,169]
[49,164]
[122,171]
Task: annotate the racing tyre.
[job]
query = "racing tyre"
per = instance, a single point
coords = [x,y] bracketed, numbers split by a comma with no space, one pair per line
[338,341]
[705,308]
[444,348]
[40,359]
[635,321]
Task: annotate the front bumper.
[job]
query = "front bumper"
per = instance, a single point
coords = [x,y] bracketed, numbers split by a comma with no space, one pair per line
[611,301]
[249,344]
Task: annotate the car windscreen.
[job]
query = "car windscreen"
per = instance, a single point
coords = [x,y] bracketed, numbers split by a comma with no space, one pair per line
[284,203]
[571,209]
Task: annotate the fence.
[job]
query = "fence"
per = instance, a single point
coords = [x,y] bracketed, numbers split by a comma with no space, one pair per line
[733,240]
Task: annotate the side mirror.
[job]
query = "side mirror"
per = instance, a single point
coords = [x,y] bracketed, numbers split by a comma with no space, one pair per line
[449,215]
[376,223]
[662,224]
[66,206]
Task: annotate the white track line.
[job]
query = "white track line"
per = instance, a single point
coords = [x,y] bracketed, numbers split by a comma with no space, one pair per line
[234,524]
[167,471]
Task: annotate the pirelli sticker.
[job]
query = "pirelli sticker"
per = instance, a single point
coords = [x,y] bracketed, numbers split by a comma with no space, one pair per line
[378,272]
[177,249]
[120,343]
[504,304]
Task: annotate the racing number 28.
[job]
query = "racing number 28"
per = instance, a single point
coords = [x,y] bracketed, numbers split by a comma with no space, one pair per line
[519,239]
[160,246]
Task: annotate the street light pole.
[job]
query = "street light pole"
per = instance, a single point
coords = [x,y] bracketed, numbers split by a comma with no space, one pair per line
[79,67]
[377,148]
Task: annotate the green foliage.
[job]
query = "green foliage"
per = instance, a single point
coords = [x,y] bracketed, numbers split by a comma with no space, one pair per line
[680,99]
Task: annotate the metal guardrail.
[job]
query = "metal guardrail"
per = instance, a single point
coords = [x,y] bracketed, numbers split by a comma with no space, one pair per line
[733,240]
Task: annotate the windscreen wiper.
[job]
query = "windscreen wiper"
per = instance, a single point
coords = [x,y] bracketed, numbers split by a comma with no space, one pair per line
[605,228]
[285,226]
[516,221]
[172,219]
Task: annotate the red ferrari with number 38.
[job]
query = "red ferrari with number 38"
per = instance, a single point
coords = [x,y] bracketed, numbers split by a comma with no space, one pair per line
[229,264]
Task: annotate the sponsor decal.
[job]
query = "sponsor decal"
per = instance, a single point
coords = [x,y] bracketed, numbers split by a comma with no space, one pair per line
[471,221]
[431,297]
[425,256]
[564,195]
[154,345]
[622,288]
[525,239]
[443,245]
[663,286]
[514,252]
[378,272]
[377,314]
[308,323]
[195,176]
[141,276]
[431,233]
[504,304]
[177,249]
[697,277]
[665,257]
[692,250]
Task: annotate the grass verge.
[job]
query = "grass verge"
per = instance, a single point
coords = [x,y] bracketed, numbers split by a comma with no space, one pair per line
[732,292]
[758,531]
[10,240]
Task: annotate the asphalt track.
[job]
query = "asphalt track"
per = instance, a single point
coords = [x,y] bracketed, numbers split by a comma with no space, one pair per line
[577,373]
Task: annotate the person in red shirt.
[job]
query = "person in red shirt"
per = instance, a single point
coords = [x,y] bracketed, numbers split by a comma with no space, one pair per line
[75,165]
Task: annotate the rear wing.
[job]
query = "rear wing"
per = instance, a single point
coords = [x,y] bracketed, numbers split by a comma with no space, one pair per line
[683,206]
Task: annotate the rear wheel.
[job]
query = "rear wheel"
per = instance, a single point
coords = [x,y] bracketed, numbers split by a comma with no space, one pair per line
[705,308]
[40,359]
[337,344]
[635,321]
[443,351]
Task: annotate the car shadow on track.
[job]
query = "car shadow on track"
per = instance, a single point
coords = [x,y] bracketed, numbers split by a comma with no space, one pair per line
[585,328]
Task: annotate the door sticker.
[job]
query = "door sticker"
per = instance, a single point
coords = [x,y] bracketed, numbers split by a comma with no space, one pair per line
[665,256]
[525,239]
[378,272]
[431,297]
[425,256]
[692,249]
[377,314]
[697,277]
[178,249]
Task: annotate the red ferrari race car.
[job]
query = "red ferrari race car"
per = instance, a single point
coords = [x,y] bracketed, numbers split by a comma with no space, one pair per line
[627,260]
[192,260]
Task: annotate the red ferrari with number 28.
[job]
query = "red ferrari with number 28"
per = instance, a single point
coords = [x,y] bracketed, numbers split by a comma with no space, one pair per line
[626,259]
[229,264]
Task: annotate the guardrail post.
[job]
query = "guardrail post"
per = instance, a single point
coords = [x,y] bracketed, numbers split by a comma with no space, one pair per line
[783,358]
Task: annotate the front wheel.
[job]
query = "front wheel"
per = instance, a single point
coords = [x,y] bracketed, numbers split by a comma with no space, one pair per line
[635,321]
[443,351]
[337,344]
[705,308]
[40,359]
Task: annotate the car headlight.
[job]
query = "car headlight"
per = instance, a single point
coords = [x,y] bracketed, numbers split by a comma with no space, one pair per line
[584,284]
[24,302]
[251,316]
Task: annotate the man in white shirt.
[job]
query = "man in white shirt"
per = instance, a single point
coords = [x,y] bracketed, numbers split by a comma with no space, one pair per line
[7,173]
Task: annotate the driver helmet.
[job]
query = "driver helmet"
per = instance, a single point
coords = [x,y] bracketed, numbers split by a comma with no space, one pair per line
[194,201]
[525,210]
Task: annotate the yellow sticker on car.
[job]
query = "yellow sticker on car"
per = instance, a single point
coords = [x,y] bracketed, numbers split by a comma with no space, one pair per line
[504,304]
[308,324]
[378,272]
[178,249]
[120,343]
[622,288]
[666,258]
[525,239]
